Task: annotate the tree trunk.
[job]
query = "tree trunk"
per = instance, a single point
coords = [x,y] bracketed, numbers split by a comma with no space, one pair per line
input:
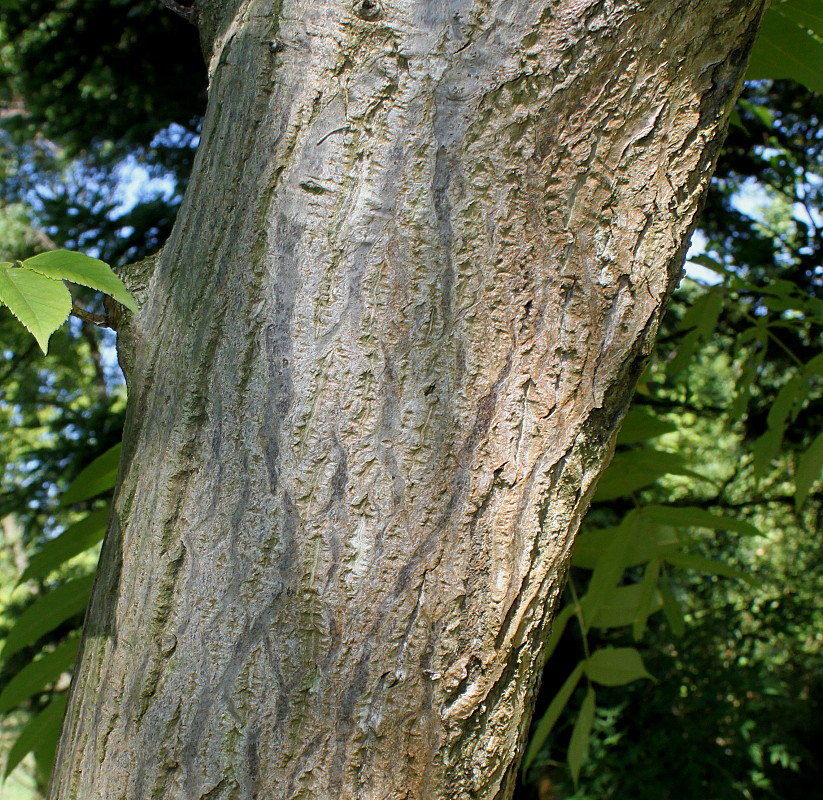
[376,372]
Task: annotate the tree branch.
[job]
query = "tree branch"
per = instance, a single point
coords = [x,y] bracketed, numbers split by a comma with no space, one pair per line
[101,320]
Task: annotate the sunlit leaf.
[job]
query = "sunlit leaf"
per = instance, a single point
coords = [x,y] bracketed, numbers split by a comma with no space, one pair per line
[615,666]
[40,304]
[82,269]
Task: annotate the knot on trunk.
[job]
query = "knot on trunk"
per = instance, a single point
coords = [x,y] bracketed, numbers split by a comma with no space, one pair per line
[367,9]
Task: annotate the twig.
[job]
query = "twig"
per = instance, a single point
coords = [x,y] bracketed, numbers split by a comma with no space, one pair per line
[101,320]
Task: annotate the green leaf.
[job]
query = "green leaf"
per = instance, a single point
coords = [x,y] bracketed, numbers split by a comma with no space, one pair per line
[609,568]
[40,730]
[615,666]
[75,539]
[761,112]
[693,517]
[685,352]
[713,264]
[620,607]
[642,424]
[787,401]
[87,271]
[553,712]
[809,467]
[47,613]
[814,366]
[637,469]
[672,610]
[806,13]
[579,742]
[40,304]
[707,565]
[784,47]
[649,599]
[34,677]
[766,448]
[97,477]
[649,541]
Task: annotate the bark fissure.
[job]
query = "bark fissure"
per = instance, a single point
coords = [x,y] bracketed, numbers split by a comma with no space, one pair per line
[376,371]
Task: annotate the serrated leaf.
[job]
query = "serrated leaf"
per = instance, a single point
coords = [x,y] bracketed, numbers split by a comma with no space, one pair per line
[785,49]
[809,467]
[82,269]
[97,477]
[649,598]
[547,721]
[47,613]
[708,566]
[40,304]
[579,742]
[76,539]
[41,729]
[693,517]
[559,624]
[615,666]
[642,424]
[620,607]
[34,677]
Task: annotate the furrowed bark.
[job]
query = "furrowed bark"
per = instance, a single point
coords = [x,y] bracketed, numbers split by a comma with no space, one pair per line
[378,368]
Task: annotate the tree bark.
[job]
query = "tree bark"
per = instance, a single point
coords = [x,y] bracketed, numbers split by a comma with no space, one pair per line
[376,372]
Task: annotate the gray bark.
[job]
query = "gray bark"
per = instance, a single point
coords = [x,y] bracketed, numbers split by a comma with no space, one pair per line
[376,372]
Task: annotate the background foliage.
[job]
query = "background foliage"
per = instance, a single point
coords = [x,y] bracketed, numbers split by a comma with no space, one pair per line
[686,660]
